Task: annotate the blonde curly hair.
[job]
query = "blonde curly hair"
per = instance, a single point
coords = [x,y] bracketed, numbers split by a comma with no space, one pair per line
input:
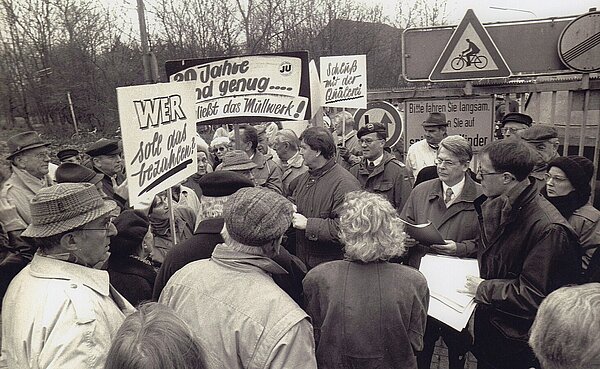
[370,228]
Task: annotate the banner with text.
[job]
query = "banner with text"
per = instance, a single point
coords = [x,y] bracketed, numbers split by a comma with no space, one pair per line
[267,87]
[344,81]
[159,136]
[472,118]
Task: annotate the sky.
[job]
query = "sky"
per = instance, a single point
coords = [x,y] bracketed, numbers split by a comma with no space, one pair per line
[524,9]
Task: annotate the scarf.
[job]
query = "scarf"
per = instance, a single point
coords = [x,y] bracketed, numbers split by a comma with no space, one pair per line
[160,226]
[567,204]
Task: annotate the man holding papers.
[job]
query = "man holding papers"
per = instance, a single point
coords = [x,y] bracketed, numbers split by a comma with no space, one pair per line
[527,250]
[447,202]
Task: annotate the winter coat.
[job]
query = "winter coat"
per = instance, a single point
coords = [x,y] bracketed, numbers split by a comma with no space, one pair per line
[457,222]
[319,194]
[133,278]
[367,315]
[390,179]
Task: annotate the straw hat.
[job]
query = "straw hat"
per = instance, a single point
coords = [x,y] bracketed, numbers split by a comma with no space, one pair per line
[65,206]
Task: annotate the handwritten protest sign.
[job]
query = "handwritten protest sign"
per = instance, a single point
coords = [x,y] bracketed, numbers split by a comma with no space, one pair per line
[263,87]
[344,81]
[159,136]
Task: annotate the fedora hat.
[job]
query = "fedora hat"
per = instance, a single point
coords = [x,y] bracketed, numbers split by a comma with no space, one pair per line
[75,173]
[64,207]
[237,160]
[435,120]
[222,183]
[24,141]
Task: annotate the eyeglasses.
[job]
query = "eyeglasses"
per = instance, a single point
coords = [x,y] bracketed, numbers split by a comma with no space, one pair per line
[106,225]
[368,141]
[220,148]
[448,163]
[511,130]
[481,174]
[549,176]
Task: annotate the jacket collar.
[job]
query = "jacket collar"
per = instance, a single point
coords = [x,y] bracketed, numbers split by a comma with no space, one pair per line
[387,157]
[324,169]
[259,159]
[211,226]
[224,254]
[49,268]
[28,181]
[296,161]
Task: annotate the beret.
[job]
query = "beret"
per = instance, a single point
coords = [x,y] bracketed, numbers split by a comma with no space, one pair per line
[371,128]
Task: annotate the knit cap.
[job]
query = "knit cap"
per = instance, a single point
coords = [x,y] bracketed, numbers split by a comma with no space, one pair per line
[579,171]
[256,216]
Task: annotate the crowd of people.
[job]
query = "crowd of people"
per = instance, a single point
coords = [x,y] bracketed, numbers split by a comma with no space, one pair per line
[289,251]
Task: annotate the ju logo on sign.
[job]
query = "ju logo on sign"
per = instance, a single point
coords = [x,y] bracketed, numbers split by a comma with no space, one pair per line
[285,68]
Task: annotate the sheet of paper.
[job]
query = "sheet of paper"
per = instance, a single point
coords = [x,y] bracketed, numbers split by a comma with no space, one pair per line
[449,316]
[445,275]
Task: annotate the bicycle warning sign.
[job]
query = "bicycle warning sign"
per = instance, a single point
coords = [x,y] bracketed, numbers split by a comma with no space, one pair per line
[469,54]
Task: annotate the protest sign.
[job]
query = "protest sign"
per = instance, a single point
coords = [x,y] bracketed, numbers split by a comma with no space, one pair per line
[344,81]
[159,136]
[471,118]
[250,88]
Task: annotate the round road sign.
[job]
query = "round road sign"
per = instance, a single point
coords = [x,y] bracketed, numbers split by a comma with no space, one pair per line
[579,43]
[385,113]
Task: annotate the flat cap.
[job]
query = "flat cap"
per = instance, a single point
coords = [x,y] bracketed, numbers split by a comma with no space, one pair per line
[223,183]
[517,118]
[104,146]
[538,133]
[66,153]
[371,128]
[435,120]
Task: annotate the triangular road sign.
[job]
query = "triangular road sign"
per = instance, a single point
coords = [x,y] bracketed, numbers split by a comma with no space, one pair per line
[469,54]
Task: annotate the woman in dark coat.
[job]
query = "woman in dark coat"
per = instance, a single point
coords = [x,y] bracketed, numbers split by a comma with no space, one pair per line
[367,312]
[568,189]
[128,267]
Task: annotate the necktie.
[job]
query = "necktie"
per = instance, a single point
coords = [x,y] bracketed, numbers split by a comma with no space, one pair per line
[449,194]
[370,166]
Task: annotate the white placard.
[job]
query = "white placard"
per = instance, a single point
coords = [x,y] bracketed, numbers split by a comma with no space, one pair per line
[344,81]
[159,136]
[471,118]
[252,86]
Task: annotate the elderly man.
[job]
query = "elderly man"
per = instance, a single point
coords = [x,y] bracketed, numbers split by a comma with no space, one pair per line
[69,155]
[60,311]
[319,194]
[543,140]
[217,187]
[29,158]
[422,153]
[266,173]
[346,140]
[230,301]
[446,201]
[379,171]
[287,146]
[513,123]
[106,159]
[526,251]
[565,332]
